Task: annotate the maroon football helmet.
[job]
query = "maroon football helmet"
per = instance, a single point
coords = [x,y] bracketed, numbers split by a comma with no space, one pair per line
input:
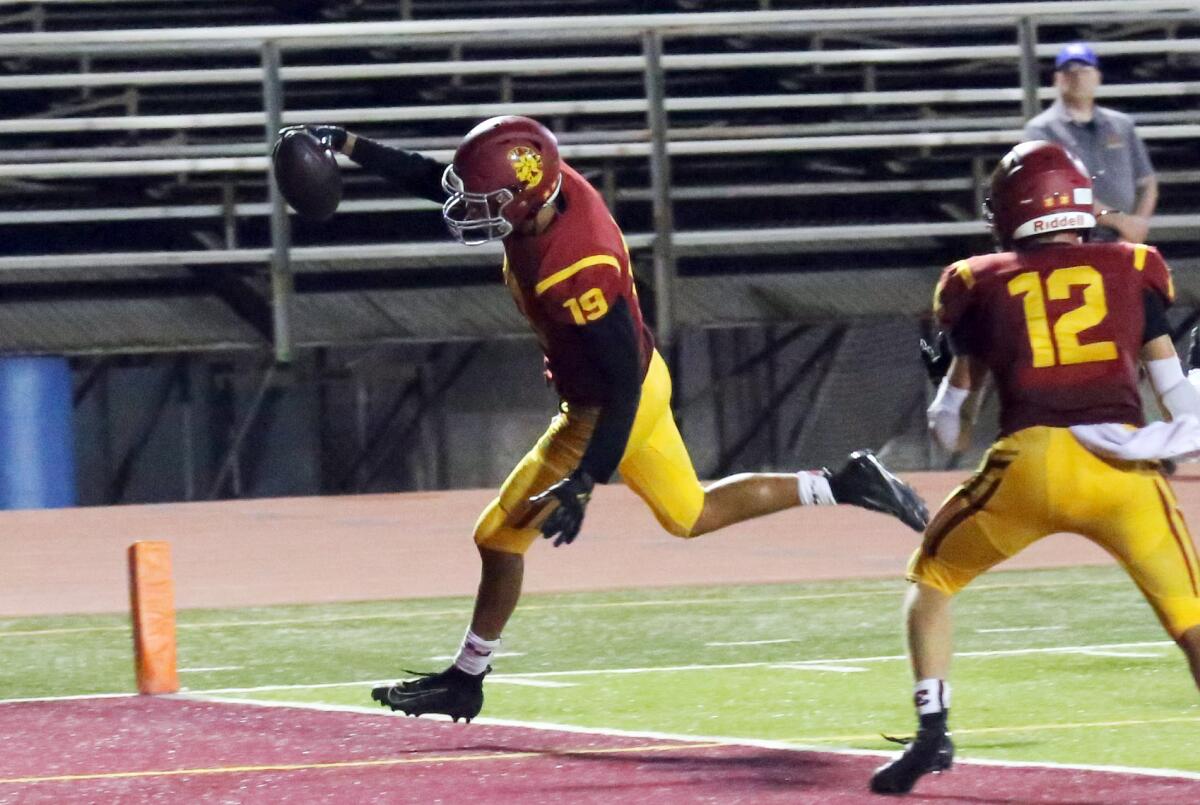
[1038,188]
[505,170]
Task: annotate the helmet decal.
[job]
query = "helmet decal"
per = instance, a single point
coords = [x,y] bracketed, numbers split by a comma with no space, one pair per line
[504,172]
[527,165]
[1039,188]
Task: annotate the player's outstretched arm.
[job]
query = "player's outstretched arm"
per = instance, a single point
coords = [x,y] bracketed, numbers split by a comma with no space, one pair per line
[611,347]
[1193,353]
[936,357]
[949,419]
[416,174]
[1176,395]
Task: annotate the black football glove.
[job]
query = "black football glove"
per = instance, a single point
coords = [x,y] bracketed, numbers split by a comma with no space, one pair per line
[333,136]
[572,494]
[1193,353]
[936,357]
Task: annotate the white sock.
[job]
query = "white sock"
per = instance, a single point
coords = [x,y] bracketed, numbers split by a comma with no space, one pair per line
[814,489]
[931,696]
[475,653]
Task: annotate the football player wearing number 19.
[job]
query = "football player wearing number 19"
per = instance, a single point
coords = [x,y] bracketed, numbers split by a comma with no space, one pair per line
[1062,325]
[568,270]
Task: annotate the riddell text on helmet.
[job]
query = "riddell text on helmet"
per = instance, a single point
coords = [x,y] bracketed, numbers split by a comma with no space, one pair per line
[1055,222]
[1058,222]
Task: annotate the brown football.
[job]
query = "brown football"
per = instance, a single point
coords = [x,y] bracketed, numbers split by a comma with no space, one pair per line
[307,174]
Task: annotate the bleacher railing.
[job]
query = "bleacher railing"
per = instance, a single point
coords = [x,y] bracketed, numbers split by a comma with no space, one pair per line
[656,142]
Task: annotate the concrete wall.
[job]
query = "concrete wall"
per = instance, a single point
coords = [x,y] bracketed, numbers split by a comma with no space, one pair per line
[158,429]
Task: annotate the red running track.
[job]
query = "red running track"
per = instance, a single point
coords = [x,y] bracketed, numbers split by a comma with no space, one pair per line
[141,749]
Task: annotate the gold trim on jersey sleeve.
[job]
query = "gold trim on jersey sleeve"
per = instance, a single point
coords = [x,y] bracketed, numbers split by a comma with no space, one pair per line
[573,269]
[963,269]
[1139,256]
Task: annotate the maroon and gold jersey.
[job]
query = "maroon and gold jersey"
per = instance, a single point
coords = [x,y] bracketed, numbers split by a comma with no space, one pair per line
[569,276]
[1060,328]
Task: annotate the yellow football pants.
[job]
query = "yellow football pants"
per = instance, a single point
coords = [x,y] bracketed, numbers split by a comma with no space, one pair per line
[656,466]
[1041,481]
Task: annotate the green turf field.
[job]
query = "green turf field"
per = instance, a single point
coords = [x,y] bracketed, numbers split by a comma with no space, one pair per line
[817,663]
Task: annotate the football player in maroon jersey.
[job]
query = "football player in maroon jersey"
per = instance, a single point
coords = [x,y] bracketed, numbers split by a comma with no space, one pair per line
[568,270]
[1062,326]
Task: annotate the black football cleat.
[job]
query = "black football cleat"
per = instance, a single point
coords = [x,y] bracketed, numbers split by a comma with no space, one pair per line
[452,692]
[865,482]
[1193,353]
[930,752]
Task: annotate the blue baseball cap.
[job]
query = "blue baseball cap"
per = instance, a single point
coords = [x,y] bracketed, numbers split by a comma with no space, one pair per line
[1076,51]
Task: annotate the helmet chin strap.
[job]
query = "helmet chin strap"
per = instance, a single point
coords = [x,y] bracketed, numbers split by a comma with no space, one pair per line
[541,220]
[1069,237]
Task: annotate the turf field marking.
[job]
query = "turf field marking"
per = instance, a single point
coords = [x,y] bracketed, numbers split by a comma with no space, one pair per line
[358,764]
[812,666]
[1096,653]
[531,683]
[533,607]
[796,747]
[211,668]
[76,697]
[779,640]
[790,746]
[799,664]
[72,630]
[1012,652]
[1012,728]
[755,642]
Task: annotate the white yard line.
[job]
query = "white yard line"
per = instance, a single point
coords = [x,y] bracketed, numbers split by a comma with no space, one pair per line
[731,741]
[807,666]
[77,697]
[210,668]
[797,664]
[841,662]
[71,630]
[497,655]
[779,640]
[531,683]
[465,609]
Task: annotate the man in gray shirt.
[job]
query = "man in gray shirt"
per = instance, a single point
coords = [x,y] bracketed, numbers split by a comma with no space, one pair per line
[1126,189]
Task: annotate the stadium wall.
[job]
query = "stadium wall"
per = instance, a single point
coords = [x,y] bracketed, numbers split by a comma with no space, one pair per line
[416,545]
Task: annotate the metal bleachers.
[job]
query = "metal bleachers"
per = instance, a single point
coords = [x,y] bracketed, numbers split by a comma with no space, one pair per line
[134,178]
[791,174]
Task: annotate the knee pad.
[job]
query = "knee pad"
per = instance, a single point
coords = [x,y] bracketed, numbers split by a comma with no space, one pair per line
[493,532]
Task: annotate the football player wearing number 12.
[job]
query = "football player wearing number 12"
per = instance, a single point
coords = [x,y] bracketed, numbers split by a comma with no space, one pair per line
[1062,325]
[568,270]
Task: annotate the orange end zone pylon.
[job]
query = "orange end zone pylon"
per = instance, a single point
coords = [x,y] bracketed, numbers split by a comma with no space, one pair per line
[152,601]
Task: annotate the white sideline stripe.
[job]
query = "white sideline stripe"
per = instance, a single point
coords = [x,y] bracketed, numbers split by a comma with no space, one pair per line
[497,654]
[466,609]
[210,668]
[70,630]
[778,640]
[805,666]
[731,741]
[77,697]
[531,683]
[666,736]
[844,661]
[1097,653]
